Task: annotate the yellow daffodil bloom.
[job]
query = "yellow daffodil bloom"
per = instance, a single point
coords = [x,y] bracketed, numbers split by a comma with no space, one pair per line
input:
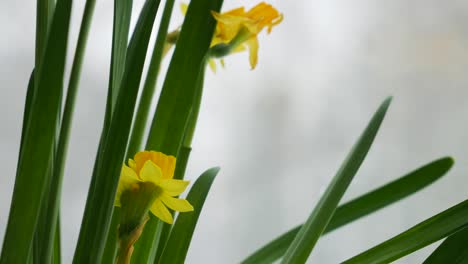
[148,179]
[239,28]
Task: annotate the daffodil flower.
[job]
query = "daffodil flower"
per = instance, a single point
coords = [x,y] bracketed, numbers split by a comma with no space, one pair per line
[237,29]
[147,183]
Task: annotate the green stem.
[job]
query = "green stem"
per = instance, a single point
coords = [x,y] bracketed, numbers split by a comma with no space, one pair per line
[127,241]
[149,88]
[192,122]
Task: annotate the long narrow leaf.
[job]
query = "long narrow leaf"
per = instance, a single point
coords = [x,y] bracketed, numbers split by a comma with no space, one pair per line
[53,197]
[44,14]
[361,206]
[37,147]
[121,25]
[419,236]
[453,250]
[175,103]
[100,201]
[179,174]
[182,232]
[305,240]
[149,88]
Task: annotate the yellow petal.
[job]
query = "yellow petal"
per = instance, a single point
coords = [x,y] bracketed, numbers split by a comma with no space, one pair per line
[235,12]
[128,179]
[161,212]
[252,43]
[140,159]
[151,173]
[179,205]
[212,64]
[173,187]
[183,8]
[167,163]
[132,164]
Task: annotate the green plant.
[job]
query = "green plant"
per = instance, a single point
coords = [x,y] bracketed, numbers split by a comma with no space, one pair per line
[33,233]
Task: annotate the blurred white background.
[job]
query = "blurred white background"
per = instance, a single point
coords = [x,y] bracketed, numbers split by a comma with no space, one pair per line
[281,131]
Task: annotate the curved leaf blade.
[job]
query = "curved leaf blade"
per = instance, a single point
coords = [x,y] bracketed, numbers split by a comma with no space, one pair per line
[419,236]
[38,144]
[100,201]
[181,234]
[361,206]
[306,238]
[454,250]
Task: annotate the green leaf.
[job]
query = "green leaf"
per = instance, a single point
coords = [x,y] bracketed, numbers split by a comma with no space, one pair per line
[120,32]
[149,88]
[453,250]
[306,238]
[175,103]
[110,251]
[181,234]
[361,206]
[44,14]
[177,95]
[57,255]
[52,199]
[179,174]
[419,236]
[38,143]
[100,202]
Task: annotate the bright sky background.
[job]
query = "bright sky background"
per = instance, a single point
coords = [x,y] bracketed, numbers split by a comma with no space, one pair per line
[281,131]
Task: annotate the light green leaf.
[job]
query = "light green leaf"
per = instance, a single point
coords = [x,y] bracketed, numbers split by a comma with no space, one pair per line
[179,240]
[361,206]
[419,236]
[306,238]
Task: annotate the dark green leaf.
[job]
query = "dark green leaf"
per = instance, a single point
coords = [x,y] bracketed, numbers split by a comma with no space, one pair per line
[175,103]
[38,142]
[419,236]
[52,199]
[453,250]
[361,206]
[179,173]
[149,88]
[306,238]
[100,203]
[121,27]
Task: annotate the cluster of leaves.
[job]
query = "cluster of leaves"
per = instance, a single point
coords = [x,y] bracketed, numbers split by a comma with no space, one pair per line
[33,233]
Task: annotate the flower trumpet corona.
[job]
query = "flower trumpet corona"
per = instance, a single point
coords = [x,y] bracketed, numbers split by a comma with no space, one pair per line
[237,29]
[146,185]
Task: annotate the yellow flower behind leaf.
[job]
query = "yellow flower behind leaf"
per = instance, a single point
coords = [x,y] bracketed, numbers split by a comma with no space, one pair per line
[239,28]
[150,174]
